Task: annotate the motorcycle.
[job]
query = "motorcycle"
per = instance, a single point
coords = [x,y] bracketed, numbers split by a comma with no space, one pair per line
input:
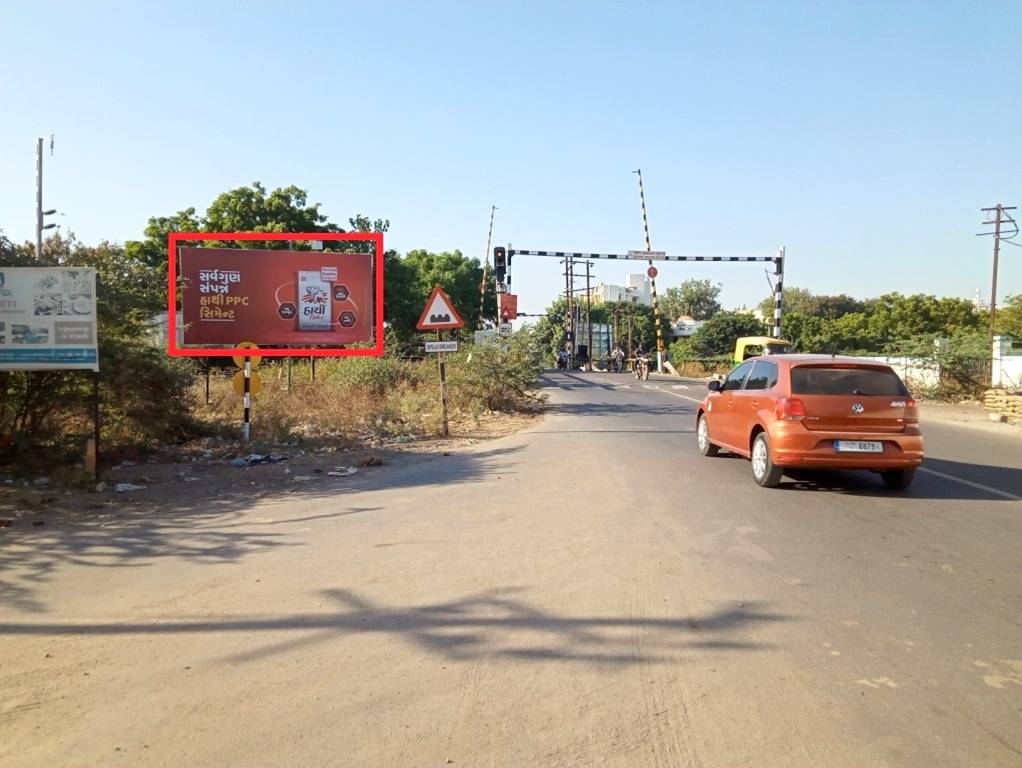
[642,368]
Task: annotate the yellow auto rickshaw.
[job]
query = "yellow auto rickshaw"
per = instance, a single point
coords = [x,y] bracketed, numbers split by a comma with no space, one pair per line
[750,346]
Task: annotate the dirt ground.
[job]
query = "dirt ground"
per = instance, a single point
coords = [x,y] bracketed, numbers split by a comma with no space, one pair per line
[204,469]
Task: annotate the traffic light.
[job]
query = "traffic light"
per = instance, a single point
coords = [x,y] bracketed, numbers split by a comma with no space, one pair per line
[500,263]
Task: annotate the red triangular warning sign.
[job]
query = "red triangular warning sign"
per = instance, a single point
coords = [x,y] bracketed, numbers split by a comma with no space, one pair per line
[439,314]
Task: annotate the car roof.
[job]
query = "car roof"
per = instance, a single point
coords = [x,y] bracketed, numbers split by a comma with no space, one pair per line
[810,359]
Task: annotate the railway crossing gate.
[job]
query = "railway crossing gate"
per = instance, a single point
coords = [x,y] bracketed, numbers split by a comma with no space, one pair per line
[502,263]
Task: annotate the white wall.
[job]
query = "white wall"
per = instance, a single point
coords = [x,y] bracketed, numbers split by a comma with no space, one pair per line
[1007,363]
[1006,371]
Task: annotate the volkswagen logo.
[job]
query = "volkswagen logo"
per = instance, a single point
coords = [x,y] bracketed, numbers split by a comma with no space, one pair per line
[857,408]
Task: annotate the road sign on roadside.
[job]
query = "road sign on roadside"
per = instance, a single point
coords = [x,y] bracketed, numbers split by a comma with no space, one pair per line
[441,346]
[439,314]
[651,272]
[239,360]
[504,328]
[646,254]
[255,383]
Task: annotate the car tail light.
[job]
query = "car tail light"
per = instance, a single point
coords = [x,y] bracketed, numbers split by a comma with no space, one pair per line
[911,411]
[791,409]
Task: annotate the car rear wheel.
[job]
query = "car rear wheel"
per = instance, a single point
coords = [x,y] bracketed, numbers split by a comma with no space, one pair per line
[703,437]
[764,472]
[898,479]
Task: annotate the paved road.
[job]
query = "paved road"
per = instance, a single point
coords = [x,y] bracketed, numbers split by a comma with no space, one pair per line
[588,592]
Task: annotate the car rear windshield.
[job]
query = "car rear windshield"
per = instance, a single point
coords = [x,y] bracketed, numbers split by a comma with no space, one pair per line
[820,380]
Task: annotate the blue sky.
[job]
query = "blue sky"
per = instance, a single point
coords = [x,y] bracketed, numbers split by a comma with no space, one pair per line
[862,136]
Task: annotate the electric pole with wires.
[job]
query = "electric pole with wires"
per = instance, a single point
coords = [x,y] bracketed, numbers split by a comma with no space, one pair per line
[1001,217]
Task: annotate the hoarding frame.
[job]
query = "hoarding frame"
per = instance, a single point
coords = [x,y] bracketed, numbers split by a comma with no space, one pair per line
[175,238]
[92,318]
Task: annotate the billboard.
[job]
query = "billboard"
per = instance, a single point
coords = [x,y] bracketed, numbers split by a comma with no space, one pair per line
[48,319]
[295,299]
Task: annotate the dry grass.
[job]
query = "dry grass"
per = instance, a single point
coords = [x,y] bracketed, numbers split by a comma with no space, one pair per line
[699,369]
[350,401]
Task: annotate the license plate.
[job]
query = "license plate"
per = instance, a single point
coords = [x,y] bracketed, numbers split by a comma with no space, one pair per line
[858,446]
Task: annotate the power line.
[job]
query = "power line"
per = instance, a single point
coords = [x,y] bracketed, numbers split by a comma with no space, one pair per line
[1000,218]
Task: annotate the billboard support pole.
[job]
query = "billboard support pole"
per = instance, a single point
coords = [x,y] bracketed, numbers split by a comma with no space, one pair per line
[207,381]
[246,427]
[95,421]
[443,384]
[313,369]
[289,374]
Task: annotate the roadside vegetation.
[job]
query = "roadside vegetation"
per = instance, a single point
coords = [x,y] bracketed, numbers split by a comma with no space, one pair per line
[151,401]
[948,336]
[354,400]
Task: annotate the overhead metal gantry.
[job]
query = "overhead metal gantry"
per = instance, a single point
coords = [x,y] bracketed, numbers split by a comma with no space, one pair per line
[778,261]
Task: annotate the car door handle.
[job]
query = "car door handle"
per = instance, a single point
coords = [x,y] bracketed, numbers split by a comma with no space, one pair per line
[755,403]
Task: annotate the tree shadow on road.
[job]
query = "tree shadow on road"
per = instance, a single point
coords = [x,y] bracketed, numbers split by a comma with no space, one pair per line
[216,521]
[492,624]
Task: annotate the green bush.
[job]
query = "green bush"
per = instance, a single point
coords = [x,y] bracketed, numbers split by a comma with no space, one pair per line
[377,375]
[501,374]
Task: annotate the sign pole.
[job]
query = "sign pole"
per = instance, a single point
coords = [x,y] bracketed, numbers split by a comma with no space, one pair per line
[207,381]
[443,384]
[95,421]
[246,428]
[438,315]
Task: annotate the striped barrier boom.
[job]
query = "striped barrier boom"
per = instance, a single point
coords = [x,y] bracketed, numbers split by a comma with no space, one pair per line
[778,261]
[640,256]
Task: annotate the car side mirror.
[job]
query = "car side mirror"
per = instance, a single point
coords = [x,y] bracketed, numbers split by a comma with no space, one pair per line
[714,385]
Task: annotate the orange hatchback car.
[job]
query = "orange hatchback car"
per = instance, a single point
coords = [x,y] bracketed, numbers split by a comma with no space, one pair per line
[813,411]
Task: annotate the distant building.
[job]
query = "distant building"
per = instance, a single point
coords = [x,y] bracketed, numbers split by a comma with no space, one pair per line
[685,326]
[635,291]
[979,303]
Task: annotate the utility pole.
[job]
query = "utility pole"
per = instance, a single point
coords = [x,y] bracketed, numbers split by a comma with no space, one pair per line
[572,304]
[39,199]
[652,281]
[568,319]
[1000,217]
[589,315]
[39,212]
[486,266]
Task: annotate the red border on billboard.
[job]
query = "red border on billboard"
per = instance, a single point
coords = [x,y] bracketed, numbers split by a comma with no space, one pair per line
[175,237]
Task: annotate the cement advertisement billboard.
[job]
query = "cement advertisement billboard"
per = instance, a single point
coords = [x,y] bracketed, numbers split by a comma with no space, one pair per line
[276,297]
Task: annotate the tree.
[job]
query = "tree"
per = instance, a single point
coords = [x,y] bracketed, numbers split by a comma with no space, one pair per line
[795,300]
[802,301]
[144,392]
[153,250]
[1009,317]
[243,209]
[894,319]
[409,281]
[551,330]
[252,209]
[718,335]
[695,298]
